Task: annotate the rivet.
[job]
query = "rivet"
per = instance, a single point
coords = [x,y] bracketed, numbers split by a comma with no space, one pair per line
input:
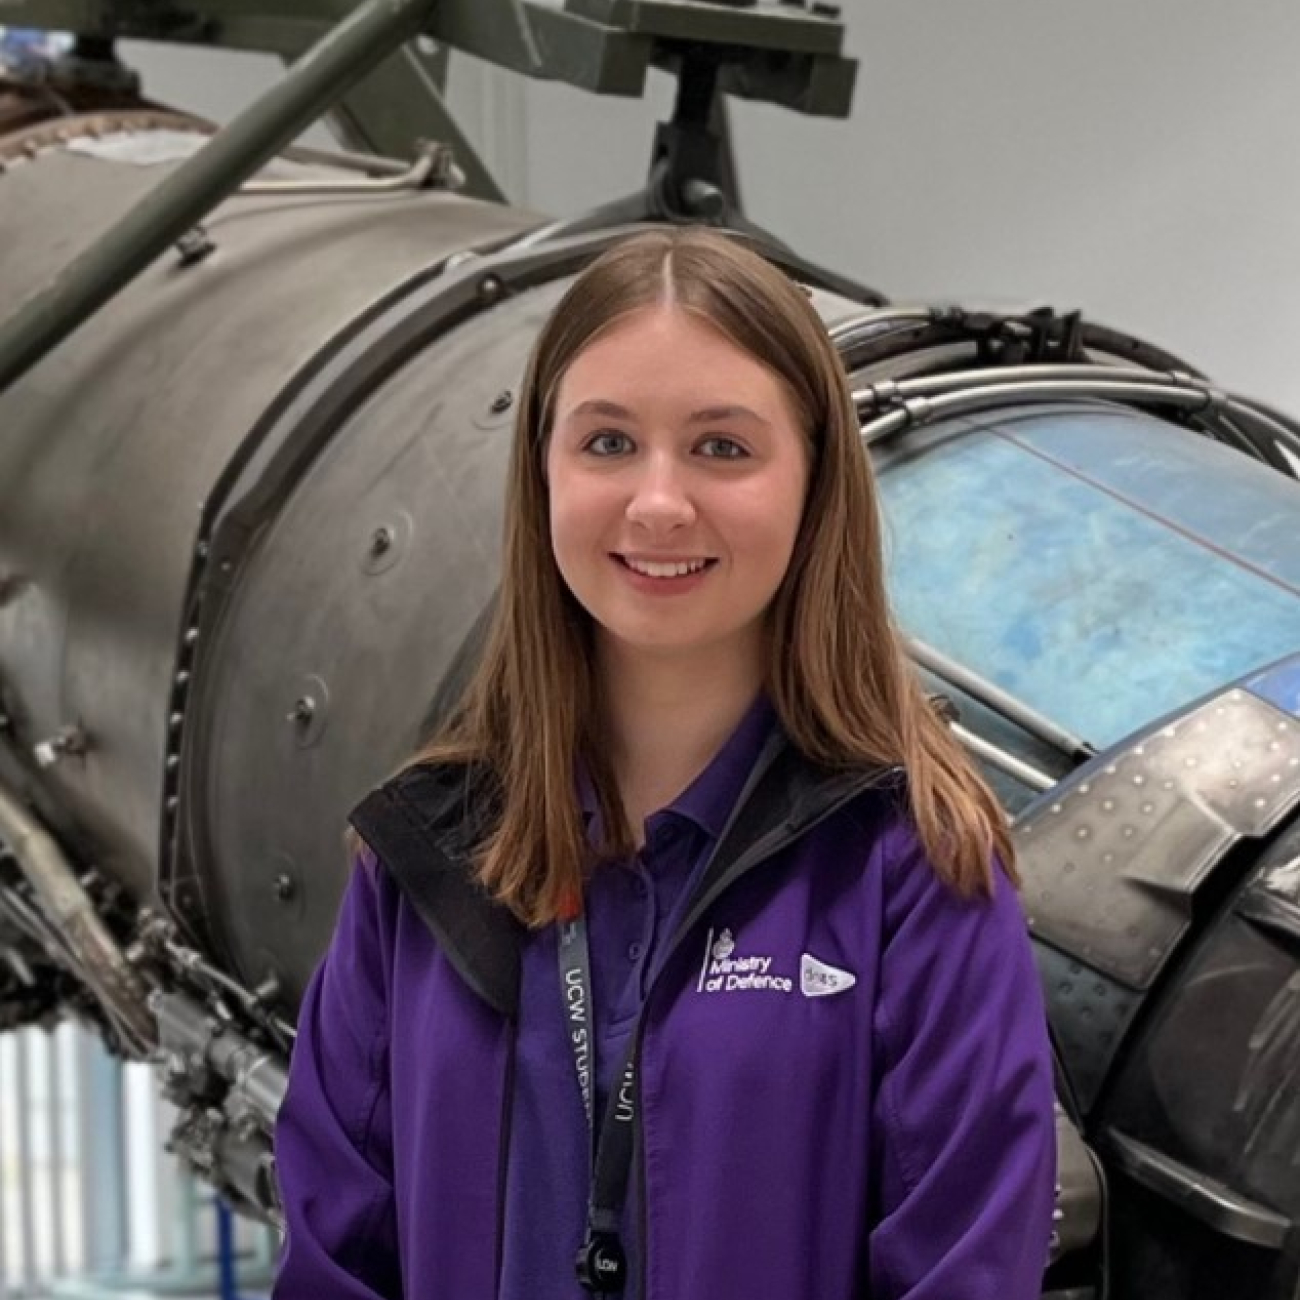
[304,709]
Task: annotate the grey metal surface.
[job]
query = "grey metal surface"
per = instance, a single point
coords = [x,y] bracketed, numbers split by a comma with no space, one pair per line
[1114,860]
[1217,1206]
[190,192]
[111,445]
[1090,1014]
[366,641]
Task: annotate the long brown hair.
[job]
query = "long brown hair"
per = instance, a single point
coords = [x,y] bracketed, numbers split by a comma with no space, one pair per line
[837,675]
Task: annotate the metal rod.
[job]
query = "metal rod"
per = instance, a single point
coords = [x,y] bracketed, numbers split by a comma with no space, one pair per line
[420,173]
[341,58]
[70,911]
[1000,701]
[370,164]
[920,410]
[1035,778]
[958,381]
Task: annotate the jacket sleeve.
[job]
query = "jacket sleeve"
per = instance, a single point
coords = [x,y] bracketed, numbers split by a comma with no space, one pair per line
[964,1151]
[333,1138]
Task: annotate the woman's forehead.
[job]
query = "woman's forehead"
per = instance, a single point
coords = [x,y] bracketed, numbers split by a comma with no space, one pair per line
[666,356]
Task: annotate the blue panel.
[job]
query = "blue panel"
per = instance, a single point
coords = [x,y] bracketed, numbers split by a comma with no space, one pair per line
[1160,466]
[1280,685]
[1096,563]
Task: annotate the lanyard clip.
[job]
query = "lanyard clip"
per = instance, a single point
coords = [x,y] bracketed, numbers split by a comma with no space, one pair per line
[601,1264]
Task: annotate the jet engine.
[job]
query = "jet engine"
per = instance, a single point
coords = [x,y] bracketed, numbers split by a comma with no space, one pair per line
[249,524]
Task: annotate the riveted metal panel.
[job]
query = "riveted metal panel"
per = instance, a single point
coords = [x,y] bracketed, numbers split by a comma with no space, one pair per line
[1112,860]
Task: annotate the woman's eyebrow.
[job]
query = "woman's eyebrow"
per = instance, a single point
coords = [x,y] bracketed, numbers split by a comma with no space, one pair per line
[599,406]
[711,413]
[707,415]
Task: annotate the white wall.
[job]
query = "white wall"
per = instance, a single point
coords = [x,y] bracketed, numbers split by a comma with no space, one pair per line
[1137,160]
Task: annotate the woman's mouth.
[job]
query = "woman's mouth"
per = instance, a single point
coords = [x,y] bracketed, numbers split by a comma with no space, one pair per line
[669,570]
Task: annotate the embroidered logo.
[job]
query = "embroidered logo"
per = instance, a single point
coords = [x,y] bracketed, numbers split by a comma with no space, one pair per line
[818,980]
[725,972]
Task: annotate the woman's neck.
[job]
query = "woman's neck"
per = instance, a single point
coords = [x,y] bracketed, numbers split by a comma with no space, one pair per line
[666,719]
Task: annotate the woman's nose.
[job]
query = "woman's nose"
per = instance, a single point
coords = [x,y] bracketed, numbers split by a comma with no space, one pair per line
[660,498]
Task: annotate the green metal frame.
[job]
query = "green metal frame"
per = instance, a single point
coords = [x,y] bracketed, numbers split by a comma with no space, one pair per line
[605,46]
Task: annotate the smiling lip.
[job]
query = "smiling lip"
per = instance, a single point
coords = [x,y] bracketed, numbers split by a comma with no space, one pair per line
[664,574]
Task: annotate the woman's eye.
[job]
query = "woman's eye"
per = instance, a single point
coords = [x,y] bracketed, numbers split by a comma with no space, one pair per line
[608,443]
[723,448]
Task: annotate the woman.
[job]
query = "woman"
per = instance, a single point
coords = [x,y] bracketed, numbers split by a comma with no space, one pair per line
[705,966]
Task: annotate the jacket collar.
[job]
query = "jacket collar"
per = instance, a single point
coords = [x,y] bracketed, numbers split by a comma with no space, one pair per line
[425,823]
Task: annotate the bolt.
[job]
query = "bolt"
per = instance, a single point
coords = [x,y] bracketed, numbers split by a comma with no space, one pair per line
[284,887]
[304,709]
[381,542]
[194,245]
[503,401]
[70,742]
[490,289]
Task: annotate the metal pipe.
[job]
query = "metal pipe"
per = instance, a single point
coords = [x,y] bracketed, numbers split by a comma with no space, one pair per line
[1000,701]
[434,166]
[920,410]
[68,908]
[1035,778]
[317,80]
[890,390]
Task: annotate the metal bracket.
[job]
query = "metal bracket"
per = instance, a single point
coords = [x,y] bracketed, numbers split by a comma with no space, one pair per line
[1211,1202]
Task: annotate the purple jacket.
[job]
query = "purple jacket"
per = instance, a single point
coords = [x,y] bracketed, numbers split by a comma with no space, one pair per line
[845,1086]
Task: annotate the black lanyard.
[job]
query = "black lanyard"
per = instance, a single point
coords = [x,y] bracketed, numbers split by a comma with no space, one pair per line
[601,1263]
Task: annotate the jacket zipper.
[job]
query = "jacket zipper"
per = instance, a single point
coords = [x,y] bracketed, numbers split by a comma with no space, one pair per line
[706,900]
[503,1154]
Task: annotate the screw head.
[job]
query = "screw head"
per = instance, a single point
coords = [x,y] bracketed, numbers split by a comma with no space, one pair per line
[304,709]
[381,541]
[503,401]
[284,887]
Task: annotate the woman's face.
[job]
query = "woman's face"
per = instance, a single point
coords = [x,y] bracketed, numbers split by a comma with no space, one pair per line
[677,474]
